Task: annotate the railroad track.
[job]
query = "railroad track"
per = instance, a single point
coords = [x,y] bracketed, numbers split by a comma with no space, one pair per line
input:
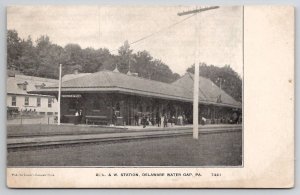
[57,140]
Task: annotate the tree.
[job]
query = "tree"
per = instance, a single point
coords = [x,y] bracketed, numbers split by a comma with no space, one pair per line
[125,57]
[43,59]
[224,76]
[73,56]
[142,64]
[96,60]
[125,50]
[28,60]
[14,49]
[163,72]
[49,57]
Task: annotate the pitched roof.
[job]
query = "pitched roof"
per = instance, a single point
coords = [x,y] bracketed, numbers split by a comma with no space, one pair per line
[31,82]
[207,90]
[73,76]
[108,81]
[113,81]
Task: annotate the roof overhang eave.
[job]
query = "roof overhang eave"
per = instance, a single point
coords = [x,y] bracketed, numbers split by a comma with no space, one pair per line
[130,91]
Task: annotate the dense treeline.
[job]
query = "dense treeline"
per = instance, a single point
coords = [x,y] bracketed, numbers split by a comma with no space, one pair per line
[224,77]
[42,58]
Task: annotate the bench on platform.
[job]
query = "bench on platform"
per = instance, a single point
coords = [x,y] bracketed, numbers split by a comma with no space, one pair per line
[103,120]
[68,118]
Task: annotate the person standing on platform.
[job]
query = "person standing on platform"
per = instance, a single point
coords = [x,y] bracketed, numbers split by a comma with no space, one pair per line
[152,119]
[165,121]
[83,118]
[76,117]
[235,118]
[158,119]
[136,119]
[180,120]
[203,120]
[80,117]
[173,121]
[144,120]
[114,118]
[184,119]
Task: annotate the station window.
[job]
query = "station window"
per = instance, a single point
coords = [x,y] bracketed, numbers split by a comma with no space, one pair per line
[14,100]
[38,102]
[26,100]
[49,102]
[148,109]
[72,105]
[141,108]
[118,106]
[96,104]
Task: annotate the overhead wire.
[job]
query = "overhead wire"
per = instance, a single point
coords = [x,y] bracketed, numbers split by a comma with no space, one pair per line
[157,32]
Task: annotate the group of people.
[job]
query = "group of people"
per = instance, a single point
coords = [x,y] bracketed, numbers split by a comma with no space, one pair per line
[159,120]
[163,120]
[228,118]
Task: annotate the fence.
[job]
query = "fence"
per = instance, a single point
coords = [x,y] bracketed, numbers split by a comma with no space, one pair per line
[34,120]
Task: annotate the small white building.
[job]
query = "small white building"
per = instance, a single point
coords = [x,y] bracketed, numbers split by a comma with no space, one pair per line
[20,101]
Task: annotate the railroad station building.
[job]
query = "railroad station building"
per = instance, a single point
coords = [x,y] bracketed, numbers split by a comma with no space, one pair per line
[102,95]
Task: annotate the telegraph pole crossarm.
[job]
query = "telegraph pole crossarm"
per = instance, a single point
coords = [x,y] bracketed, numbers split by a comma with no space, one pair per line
[197,10]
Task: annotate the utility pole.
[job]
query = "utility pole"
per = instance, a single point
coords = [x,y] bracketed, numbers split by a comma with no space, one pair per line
[59,95]
[220,80]
[197,61]
[129,63]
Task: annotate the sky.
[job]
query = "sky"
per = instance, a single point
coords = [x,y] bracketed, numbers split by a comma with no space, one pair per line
[219,34]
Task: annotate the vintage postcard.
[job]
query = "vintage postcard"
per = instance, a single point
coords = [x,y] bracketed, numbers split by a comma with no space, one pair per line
[150,96]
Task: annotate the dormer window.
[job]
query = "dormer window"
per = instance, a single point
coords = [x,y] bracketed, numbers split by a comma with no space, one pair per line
[23,85]
[39,86]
